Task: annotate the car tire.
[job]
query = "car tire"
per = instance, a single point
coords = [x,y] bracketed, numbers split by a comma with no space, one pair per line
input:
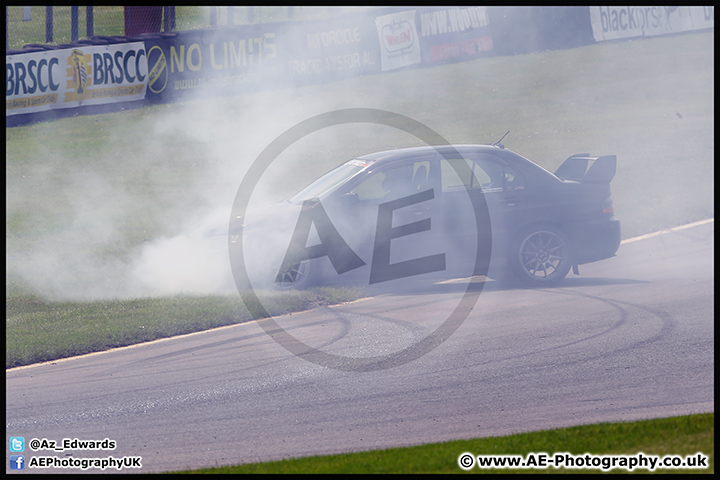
[541,256]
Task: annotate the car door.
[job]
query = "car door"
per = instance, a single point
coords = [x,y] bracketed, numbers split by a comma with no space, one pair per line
[469,180]
[389,221]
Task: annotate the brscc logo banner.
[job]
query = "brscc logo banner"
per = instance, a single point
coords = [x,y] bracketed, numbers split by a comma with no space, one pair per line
[244,285]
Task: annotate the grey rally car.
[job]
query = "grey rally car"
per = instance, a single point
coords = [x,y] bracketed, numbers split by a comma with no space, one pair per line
[442,212]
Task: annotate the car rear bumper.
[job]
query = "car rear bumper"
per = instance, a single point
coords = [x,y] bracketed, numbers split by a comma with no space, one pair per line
[596,240]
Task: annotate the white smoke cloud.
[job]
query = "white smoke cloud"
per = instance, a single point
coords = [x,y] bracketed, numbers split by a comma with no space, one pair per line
[130,217]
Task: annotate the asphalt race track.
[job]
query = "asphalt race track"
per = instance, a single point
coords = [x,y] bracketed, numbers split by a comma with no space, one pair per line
[632,337]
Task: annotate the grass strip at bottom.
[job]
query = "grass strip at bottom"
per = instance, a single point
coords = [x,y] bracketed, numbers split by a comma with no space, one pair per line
[679,436]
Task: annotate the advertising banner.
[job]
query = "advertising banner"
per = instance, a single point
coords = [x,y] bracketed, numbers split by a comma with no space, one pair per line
[399,41]
[212,61]
[458,33]
[612,23]
[329,50]
[234,60]
[81,76]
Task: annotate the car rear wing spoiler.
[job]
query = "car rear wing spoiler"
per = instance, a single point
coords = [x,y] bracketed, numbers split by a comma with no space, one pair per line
[575,168]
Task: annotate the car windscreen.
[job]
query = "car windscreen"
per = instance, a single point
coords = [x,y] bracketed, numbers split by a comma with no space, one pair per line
[326,184]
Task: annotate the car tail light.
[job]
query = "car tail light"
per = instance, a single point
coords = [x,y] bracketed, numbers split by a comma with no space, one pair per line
[608,207]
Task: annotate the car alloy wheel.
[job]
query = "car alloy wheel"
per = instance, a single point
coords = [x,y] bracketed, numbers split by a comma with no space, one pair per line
[543,257]
[301,275]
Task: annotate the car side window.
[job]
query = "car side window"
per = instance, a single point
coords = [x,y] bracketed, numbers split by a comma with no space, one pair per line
[513,181]
[394,182]
[461,174]
[483,173]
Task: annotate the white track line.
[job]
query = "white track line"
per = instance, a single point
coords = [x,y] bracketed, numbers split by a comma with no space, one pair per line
[663,232]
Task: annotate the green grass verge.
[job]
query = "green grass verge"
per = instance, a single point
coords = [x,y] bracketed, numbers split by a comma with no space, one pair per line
[38,330]
[682,436]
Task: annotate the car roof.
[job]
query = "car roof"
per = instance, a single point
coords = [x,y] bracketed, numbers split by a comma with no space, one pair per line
[411,152]
[374,160]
